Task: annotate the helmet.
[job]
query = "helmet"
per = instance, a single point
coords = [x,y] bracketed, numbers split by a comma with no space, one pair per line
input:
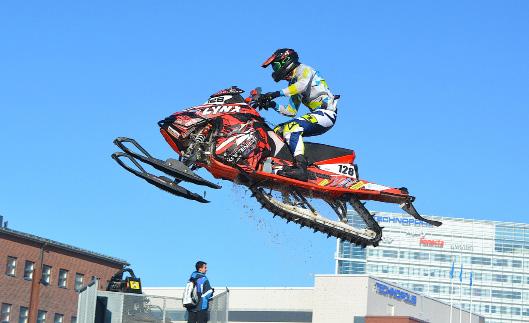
[283,62]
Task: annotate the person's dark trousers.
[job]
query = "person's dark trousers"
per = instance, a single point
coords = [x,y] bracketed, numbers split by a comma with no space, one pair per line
[197,317]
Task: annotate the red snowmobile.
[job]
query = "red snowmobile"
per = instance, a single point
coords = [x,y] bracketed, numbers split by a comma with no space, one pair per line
[228,137]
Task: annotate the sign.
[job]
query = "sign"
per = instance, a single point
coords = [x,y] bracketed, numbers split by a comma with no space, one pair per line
[431,243]
[395,293]
[462,246]
[401,221]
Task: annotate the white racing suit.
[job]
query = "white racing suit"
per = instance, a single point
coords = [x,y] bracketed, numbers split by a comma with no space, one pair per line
[309,88]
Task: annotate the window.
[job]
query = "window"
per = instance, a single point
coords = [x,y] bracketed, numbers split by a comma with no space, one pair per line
[58,318]
[46,274]
[28,270]
[499,278]
[78,281]
[23,316]
[417,288]
[420,255]
[41,317]
[6,313]
[11,267]
[480,261]
[63,277]
[74,319]
[516,279]
[516,263]
[500,262]
[441,257]
[390,253]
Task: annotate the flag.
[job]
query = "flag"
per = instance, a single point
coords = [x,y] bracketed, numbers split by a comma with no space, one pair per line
[470,279]
[461,273]
[452,270]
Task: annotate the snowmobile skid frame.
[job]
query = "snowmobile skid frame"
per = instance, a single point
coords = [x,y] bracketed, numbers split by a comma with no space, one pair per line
[172,167]
[307,216]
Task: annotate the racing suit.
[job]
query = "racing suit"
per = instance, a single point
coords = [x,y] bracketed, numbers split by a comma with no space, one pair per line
[308,87]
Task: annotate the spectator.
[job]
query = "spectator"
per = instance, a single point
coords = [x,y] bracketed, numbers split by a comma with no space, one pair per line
[199,313]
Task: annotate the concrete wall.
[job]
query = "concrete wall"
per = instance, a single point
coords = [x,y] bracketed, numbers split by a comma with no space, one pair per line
[339,299]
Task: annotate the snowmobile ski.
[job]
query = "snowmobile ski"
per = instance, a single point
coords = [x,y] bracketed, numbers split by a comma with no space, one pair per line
[172,167]
[161,182]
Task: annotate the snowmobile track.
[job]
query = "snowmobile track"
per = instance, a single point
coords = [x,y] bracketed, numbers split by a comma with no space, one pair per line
[316,226]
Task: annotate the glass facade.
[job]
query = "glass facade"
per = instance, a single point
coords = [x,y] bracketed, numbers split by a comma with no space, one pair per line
[420,257]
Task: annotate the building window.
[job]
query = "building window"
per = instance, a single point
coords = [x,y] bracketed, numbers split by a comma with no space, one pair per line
[46,274]
[41,317]
[499,278]
[23,315]
[500,262]
[390,253]
[63,277]
[74,319]
[59,318]
[480,261]
[6,313]
[11,267]
[516,263]
[78,281]
[28,270]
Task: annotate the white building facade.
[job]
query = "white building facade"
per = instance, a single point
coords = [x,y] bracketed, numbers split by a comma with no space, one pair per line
[420,257]
[333,299]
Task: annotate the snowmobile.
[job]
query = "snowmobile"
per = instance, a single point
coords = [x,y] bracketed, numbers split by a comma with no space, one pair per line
[228,137]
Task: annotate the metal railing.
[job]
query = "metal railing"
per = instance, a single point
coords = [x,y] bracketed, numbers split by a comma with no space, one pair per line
[97,306]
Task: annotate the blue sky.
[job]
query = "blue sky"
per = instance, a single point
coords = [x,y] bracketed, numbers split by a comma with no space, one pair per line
[435,97]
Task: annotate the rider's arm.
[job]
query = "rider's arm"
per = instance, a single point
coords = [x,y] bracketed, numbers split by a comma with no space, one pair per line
[291,109]
[303,79]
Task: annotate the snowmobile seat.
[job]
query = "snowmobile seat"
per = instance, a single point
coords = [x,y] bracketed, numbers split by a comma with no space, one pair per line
[317,152]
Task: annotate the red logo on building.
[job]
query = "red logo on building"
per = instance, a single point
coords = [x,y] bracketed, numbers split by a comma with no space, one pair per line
[431,243]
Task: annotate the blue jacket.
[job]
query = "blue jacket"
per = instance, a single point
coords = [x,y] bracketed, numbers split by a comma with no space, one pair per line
[204,290]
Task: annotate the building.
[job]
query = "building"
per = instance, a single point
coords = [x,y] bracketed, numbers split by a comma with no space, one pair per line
[420,257]
[63,270]
[334,298]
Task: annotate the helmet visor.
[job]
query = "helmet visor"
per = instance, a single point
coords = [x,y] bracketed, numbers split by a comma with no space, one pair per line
[276,66]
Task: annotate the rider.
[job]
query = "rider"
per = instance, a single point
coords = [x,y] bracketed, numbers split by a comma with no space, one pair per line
[306,86]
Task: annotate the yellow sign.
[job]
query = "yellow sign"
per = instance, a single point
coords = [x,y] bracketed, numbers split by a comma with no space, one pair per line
[134,285]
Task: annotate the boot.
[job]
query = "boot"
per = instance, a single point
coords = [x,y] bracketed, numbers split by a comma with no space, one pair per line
[298,171]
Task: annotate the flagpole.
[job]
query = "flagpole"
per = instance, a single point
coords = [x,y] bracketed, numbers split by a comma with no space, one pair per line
[470,312]
[451,288]
[451,292]
[460,292]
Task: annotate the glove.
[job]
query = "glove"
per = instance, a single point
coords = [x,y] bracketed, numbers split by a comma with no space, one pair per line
[265,101]
[271,95]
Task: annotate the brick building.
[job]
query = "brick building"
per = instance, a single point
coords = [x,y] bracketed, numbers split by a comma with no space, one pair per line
[62,268]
